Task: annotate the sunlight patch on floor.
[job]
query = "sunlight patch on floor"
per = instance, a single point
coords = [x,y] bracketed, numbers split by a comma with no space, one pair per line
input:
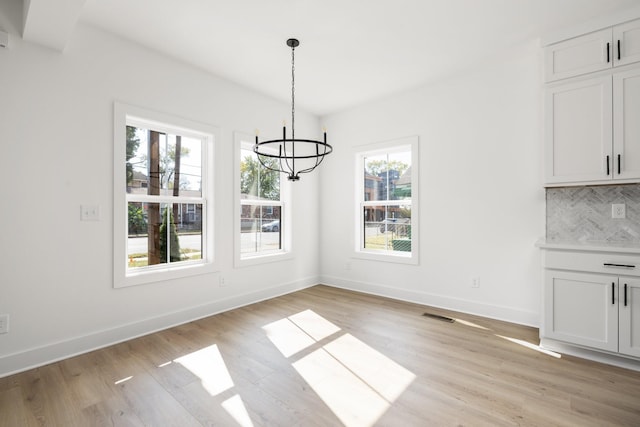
[120,381]
[473,325]
[382,374]
[208,365]
[295,333]
[235,407]
[288,337]
[357,382]
[350,398]
[316,326]
[531,346]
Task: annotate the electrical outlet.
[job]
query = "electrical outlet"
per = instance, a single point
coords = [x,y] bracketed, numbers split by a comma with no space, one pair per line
[90,212]
[221,281]
[618,210]
[475,282]
[4,323]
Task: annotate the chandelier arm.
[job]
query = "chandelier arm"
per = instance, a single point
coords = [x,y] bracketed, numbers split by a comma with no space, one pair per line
[283,159]
[282,149]
[291,168]
[266,166]
[327,148]
[318,161]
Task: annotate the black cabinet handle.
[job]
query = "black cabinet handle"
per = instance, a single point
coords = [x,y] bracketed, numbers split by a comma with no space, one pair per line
[625,294]
[610,264]
[618,49]
[608,58]
[607,165]
[613,293]
[619,169]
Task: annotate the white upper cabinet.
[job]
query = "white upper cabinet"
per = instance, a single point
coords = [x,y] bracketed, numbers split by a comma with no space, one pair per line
[580,55]
[626,39]
[578,136]
[592,130]
[626,125]
[592,125]
[592,52]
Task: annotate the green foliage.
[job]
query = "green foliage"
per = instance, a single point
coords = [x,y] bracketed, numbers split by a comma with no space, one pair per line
[258,181]
[167,162]
[173,242]
[376,167]
[402,193]
[133,143]
[137,221]
[168,165]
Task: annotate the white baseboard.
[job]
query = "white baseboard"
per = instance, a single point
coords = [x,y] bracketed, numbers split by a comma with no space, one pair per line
[497,312]
[585,353]
[53,352]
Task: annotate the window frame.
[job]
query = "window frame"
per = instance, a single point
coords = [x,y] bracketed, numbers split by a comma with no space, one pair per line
[243,140]
[410,144]
[129,115]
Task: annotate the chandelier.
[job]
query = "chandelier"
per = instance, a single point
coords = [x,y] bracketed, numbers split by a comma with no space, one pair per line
[292,156]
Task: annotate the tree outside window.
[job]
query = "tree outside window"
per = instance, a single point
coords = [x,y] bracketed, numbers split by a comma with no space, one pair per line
[387,194]
[261,208]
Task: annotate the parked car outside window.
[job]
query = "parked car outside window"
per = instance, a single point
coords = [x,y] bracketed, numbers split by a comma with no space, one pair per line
[271,226]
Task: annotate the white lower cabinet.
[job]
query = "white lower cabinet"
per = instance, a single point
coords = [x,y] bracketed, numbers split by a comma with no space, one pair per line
[629,310]
[592,308]
[582,309]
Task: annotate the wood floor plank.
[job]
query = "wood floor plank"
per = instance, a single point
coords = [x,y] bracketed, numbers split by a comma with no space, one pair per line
[14,410]
[112,412]
[231,369]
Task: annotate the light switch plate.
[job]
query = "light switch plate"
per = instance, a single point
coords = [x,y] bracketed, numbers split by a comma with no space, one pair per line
[4,323]
[4,39]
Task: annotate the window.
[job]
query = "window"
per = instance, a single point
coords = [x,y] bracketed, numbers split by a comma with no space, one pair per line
[163,194]
[387,192]
[262,218]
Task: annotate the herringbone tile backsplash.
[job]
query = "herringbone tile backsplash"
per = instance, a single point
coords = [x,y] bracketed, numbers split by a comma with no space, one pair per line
[583,214]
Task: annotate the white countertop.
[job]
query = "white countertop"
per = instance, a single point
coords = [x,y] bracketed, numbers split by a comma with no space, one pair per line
[596,246]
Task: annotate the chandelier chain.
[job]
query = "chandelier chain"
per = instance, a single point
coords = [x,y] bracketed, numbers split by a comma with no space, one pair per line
[293,93]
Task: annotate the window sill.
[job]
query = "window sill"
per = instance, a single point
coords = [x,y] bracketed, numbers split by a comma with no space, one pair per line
[262,259]
[163,274]
[397,257]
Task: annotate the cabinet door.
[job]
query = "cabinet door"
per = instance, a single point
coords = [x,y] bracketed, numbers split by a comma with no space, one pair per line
[626,39]
[580,55]
[578,131]
[626,129]
[581,309]
[629,317]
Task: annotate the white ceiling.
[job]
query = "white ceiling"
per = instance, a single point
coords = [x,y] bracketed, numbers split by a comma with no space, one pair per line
[351,51]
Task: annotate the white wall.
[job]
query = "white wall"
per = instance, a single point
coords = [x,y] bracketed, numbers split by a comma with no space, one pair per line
[482,202]
[56,138]
[481,194]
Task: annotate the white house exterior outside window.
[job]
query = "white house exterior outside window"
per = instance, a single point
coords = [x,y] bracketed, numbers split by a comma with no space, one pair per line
[163,196]
[387,201]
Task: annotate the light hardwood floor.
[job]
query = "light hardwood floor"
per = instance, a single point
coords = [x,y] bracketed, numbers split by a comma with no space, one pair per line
[325,357]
